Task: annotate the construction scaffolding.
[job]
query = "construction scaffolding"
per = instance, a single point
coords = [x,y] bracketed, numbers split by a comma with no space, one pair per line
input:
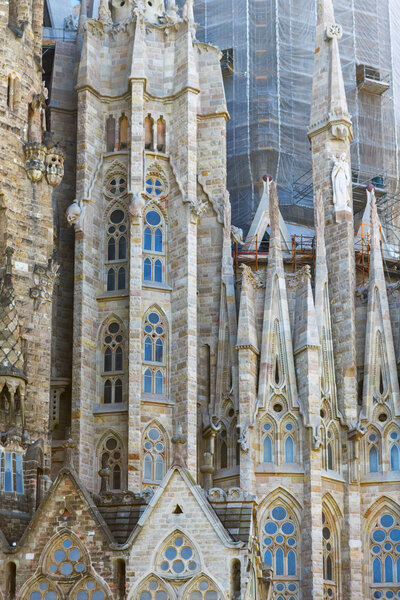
[267,68]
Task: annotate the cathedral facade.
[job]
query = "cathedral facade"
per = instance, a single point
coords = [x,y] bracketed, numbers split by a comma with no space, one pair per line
[178,421]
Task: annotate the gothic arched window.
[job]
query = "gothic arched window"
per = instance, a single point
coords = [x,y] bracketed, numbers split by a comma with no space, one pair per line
[153,588]
[11,471]
[177,556]
[384,544]
[329,556]
[373,451]
[281,544]
[154,354]
[116,258]
[149,133]
[113,363]
[154,449]
[289,441]
[161,134]
[268,436]
[110,134]
[154,246]
[111,457]
[393,439]
[123,133]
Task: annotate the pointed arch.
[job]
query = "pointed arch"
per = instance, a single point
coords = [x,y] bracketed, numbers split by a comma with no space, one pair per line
[112,360]
[176,555]
[151,587]
[391,444]
[333,447]
[116,243]
[93,586]
[111,453]
[269,440]
[202,587]
[372,450]
[381,534]
[331,532]
[289,438]
[57,551]
[154,243]
[155,448]
[155,352]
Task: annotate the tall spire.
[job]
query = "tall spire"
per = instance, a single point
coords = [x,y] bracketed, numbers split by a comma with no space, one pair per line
[330,134]
[329,110]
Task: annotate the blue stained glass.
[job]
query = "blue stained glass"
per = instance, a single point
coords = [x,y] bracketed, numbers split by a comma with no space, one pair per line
[186,552]
[159,471]
[271,528]
[280,587]
[376,549]
[388,569]
[8,475]
[292,587]
[158,271]
[288,528]
[389,594]
[19,476]
[387,521]
[398,570]
[149,182]
[267,426]
[394,458]
[148,349]
[59,555]
[279,513]
[268,541]
[170,553]
[291,542]
[394,435]
[74,554]
[398,548]
[378,595]
[289,450]
[159,330]
[148,382]
[50,596]
[378,535]
[178,542]
[372,437]
[153,218]
[158,183]
[388,546]
[147,269]
[43,586]
[90,585]
[158,240]
[66,568]
[98,595]
[377,571]
[35,596]
[153,318]
[148,329]
[67,544]
[164,566]
[53,568]
[268,558]
[79,568]
[82,596]
[149,190]
[373,460]
[159,351]
[280,598]
[178,566]
[147,238]
[279,562]
[267,449]
[158,191]
[279,539]
[291,563]
[159,387]
[289,427]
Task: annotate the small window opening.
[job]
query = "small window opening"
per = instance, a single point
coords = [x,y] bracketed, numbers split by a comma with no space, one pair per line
[148,133]
[277,375]
[381,386]
[235,579]
[161,134]
[177,510]
[120,579]
[110,134]
[11,578]
[123,132]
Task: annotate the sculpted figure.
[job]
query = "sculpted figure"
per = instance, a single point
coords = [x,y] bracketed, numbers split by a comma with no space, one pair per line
[74,215]
[136,205]
[341,179]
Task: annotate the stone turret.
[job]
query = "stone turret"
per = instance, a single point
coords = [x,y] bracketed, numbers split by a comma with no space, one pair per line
[330,134]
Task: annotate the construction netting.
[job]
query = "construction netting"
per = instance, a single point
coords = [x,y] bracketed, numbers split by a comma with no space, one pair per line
[267,66]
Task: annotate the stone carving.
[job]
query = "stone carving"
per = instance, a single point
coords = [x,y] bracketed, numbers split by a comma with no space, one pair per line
[105,13]
[171,14]
[249,277]
[188,15]
[334,30]
[121,11]
[54,165]
[243,439]
[44,279]
[237,234]
[136,205]
[75,215]
[39,104]
[340,131]
[179,440]
[197,208]
[216,495]
[35,156]
[341,179]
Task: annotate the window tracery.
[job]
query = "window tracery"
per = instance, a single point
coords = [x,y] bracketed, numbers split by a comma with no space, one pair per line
[116,259]
[154,246]
[373,450]
[280,547]
[154,449]
[11,471]
[202,588]
[393,448]
[177,557]
[111,457]
[329,558]
[152,589]
[154,355]
[113,363]
[269,450]
[227,447]
[384,545]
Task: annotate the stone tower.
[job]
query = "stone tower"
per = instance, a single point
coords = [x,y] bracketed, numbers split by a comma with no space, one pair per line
[184,418]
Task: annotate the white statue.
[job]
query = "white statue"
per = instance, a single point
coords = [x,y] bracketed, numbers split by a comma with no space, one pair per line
[341,180]
[75,214]
[136,205]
